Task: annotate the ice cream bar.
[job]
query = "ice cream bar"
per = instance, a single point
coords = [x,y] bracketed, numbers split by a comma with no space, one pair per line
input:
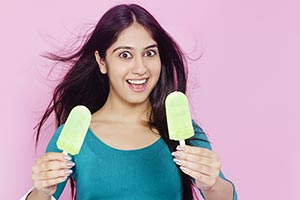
[74,130]
[178,117]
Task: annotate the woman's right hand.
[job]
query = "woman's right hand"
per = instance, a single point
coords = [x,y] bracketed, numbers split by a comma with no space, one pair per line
[49,170]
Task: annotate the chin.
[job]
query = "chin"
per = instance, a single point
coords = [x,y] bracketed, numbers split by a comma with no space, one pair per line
[138,100]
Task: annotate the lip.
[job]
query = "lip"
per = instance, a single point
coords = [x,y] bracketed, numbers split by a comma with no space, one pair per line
[137,87]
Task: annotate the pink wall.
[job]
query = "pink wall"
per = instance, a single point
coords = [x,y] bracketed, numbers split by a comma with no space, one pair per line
[244,91]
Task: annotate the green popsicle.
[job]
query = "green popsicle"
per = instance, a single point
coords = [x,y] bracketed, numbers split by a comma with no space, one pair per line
[74,130]
[178,117]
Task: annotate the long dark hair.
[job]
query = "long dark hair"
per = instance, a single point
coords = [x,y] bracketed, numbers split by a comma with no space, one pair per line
[84,84]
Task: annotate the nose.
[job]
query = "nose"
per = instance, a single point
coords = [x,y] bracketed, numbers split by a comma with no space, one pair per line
[139,67]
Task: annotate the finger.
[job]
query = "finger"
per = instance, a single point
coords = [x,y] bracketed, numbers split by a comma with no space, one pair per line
[52,165]
[198,151]
[55,165]
[52,174]
[53,156]
[40,184]
[202,169]
[197,159]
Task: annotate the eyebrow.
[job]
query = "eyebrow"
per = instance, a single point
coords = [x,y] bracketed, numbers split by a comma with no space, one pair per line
[128,47]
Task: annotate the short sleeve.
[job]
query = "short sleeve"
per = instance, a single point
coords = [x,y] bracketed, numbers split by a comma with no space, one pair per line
[52,147]
[200,140]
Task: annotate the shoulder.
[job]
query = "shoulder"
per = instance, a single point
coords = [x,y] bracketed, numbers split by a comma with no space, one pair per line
[52,147]
[200,138]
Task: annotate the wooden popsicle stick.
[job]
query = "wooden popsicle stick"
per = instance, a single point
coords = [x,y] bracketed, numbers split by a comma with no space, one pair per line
[182,142]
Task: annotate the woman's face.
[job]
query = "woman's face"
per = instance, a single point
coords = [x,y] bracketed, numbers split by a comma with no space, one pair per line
[133,65]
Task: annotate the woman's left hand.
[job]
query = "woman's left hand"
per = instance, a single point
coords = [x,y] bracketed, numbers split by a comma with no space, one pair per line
[201,164]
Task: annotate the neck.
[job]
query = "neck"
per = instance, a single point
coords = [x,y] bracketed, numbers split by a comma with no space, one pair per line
[120,111]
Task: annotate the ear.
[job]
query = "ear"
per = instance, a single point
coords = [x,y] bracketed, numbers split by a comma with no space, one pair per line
[101,63]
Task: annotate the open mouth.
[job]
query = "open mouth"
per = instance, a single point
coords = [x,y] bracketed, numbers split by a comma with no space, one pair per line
[137,85]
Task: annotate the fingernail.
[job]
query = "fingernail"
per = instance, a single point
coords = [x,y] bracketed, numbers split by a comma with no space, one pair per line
[67,158]
[70,164]
[179,148]
[182,168]
[64,178]
[176,161]
[175,154]
[68,171]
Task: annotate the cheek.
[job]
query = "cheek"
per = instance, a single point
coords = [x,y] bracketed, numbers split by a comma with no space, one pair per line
[117,69]
[156,68]
[158,71]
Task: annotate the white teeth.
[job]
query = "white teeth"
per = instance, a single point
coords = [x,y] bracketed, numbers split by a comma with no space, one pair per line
[137,82]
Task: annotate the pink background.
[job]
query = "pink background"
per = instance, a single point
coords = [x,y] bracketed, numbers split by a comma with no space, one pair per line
[244,91]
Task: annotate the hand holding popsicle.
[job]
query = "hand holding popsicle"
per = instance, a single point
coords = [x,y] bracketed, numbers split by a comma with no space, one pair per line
[53,168]
[50,169]
[202,164]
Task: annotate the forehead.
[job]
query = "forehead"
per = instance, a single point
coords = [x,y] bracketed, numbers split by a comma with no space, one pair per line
[135,36]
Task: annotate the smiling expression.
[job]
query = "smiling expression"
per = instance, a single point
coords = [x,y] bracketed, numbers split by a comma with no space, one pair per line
[132,64]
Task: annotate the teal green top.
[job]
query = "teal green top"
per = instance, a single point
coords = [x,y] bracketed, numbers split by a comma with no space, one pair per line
[103,172]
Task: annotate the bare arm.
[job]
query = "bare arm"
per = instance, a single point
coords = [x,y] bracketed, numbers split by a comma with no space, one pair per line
[38,195]
[222,190]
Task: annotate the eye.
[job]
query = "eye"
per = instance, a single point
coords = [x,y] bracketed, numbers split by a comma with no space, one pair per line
[125,55]
[150,53]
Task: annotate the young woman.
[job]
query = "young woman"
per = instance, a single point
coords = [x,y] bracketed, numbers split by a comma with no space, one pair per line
[123,73]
